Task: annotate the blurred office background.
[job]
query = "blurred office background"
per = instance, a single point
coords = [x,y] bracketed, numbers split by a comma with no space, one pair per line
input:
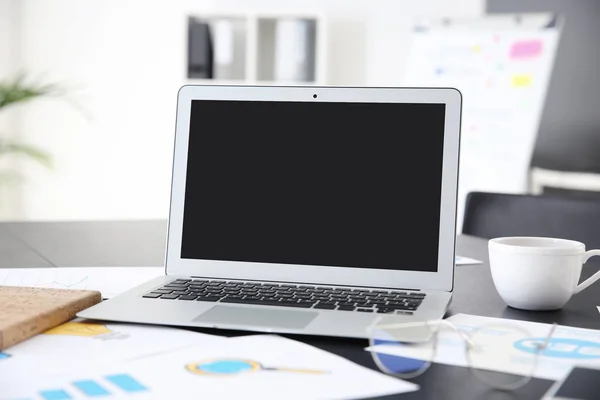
[118,66]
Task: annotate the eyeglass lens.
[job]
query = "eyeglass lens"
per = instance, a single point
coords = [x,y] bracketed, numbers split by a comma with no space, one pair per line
[417,343]
[505,348]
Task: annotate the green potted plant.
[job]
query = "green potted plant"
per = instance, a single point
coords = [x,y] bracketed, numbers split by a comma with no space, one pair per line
[13,92]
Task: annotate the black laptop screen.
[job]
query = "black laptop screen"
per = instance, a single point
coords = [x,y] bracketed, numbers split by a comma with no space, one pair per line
[334,184]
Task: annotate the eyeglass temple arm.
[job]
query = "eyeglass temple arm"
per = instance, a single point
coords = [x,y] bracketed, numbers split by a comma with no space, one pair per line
[468,339]
[460,332]
[440,322]
[549,336]
[420,323]
[470,343]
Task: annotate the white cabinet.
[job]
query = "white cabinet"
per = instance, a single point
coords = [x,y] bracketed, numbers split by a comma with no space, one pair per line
[257,48]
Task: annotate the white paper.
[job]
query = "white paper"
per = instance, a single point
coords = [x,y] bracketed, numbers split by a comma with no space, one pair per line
[568,347]
[110,281]
[170,376]
[223,40]
[459,260]
[80,344]
[291,47]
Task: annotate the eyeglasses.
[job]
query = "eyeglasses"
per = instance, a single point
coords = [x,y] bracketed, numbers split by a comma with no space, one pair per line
[487,349]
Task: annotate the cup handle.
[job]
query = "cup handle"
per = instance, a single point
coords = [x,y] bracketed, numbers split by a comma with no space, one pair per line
[591,279]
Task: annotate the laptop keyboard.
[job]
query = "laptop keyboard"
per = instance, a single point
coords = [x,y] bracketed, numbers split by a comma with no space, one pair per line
[288,295]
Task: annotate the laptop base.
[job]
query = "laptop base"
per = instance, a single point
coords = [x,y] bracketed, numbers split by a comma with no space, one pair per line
[133,307]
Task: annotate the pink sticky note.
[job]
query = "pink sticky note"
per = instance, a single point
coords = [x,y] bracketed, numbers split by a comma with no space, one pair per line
[526,49]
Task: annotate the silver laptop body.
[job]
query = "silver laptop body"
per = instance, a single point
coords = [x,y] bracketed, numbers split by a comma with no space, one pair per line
[307,210]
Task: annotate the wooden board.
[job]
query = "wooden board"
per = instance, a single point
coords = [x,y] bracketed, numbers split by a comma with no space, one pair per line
[27,311]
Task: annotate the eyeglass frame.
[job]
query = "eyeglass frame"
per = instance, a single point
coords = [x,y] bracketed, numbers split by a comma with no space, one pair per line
[468,347]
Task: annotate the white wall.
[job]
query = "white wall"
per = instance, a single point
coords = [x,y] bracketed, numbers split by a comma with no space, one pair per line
[122,64]
[9,60]
[7,42]
[123,61]
[7,39]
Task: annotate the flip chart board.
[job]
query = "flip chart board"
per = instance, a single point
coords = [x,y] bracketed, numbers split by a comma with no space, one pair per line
[502,65]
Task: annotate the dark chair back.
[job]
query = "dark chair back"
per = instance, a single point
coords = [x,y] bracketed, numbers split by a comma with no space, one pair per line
[490,215]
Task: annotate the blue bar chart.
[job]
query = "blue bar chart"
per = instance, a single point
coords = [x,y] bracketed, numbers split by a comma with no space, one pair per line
[126,383]
[106,386]
[91,388]
[55,395]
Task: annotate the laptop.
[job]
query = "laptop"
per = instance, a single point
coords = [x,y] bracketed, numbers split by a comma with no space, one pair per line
[305,210]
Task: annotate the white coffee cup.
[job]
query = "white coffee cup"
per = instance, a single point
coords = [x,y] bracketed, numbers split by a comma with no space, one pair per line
[537,273]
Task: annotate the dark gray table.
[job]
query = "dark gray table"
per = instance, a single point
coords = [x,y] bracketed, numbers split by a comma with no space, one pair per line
[142,243]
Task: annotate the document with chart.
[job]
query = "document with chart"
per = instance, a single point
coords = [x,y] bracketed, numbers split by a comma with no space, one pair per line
[251,367]
[81,344]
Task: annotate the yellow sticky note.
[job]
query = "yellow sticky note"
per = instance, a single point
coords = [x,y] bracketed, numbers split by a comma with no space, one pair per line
[521,80]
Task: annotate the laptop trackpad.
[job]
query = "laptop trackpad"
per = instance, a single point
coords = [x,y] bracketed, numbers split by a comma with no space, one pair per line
[254,316]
